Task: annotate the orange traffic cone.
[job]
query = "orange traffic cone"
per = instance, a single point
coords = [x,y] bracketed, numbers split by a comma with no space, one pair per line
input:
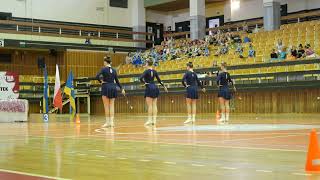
[78,119]
[218,116]
[313,157]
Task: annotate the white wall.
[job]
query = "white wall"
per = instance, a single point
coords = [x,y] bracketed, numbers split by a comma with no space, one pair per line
[172,17]
[80,11]
[254,8]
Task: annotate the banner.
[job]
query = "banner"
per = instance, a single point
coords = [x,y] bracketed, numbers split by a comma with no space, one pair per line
[9,85]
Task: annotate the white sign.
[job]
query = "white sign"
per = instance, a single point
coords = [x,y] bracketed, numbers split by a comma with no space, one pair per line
[1,43]
[9,85]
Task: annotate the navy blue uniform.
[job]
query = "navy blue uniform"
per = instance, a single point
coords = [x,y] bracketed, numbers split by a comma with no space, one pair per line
[191,82]
[108,77]
[223,81]
[147,78]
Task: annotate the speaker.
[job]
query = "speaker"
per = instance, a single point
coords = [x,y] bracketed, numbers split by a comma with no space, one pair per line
[41,62]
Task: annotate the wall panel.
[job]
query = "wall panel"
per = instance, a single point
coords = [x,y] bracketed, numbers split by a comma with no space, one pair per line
[275,101]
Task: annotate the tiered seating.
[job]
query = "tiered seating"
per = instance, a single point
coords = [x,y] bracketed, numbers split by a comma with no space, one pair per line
[291,35]
[33,79]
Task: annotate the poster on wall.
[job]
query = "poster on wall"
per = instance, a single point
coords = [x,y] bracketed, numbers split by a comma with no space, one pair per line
[9,85]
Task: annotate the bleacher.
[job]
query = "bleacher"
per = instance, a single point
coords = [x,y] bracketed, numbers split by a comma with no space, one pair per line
[249,72]
[291,34]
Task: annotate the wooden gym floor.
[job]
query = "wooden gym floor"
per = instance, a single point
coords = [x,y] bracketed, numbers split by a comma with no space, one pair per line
[252,146]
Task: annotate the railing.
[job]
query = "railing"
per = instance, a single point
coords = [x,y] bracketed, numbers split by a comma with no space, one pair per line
[284,79]
[253,23]
[43,29]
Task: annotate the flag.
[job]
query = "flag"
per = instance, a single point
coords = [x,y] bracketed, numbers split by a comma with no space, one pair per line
[69,90]
[57,97]
[45,92]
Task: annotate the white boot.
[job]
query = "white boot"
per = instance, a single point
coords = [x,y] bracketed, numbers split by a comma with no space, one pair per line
[154,120]
[227,117]
[189,120]
[112,122]
[193,118]
[222,118]
[107,124]
[149,122]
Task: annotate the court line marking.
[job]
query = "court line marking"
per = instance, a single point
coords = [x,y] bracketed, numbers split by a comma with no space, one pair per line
[122,158]
[229,168]
[80,154]
[32,174]
[198,165]
[302,174]
[264,171]
[94,150]
[100,156]
[144,160]
[168,143]
[180,144]
[169,162]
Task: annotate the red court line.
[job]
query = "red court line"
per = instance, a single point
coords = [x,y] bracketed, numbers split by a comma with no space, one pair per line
[22,176]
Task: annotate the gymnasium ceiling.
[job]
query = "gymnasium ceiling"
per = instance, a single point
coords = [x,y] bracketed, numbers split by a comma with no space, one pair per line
[171,5]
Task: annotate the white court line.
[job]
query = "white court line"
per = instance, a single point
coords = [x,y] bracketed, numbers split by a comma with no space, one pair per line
[197,165]
[264,171]
[82,154]
[94,150]
[122,158]
[32,174]
[302,174]
[100,156]
[144,160]
[169,162]
[229,168]
[167,143]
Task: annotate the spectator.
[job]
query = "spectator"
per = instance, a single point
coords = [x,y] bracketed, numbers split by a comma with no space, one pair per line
[274,54]
[224,49]
[245,27]
[283,54]
[128,58]
[252,52]
[246,39]
[301,52]
[279,46]
[293,53]
[206,51]
[88,39]
[309,52]
[239,50]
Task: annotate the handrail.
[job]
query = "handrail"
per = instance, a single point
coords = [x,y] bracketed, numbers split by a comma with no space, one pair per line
[70,27]
[40,32]
[236,67]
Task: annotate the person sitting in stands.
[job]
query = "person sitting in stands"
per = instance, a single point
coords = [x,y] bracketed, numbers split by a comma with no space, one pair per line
[224,49]
[245,27]
[283,54]
[128,58]
[88,39]
[293,53]
[252,52]
[279,46]
[274,54]
[309,52]
[239,50]
[301,52]
[206,51]
[246,39]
